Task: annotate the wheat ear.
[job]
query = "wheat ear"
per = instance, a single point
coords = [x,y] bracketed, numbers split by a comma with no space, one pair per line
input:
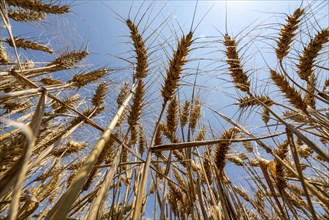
[172,116]
[306,61]
[185,113]
[70,101]
[290,92]
[256,100]
[27,44]
[309,97]
[142,140]
[222,148]
[83,79]
[3,55]
[287,33]
[136,108]
[280,177]
[195,114]
[141,67]
[36,5]
[68,60]
[176,66]
[50,81]
[99,96]
[71,147]
[25,15]
[240,78]
[121,97]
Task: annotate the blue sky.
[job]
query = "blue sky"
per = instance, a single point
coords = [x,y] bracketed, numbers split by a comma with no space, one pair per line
[105,33]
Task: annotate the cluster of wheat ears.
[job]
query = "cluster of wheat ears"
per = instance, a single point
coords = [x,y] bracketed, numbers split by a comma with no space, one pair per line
[176,166]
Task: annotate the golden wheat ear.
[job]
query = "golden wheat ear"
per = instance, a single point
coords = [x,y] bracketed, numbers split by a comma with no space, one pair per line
[240,78]
[290,92]
[247,101]
[195,114]
[309,96]
[27,44]
[172,116]
[280,179]
[70,148]
[99,96]
[287,33]
[142,140]
[176,66]
[136,108]
[306,61]
[184,115]
[3,55]
[70,101]
[38,6]
[50,81]
[140,50]
[22,15]
[68,60]
[222,148]
[121,97]
[83,79]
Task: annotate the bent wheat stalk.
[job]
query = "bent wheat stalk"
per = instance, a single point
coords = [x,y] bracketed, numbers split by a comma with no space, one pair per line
[18,172]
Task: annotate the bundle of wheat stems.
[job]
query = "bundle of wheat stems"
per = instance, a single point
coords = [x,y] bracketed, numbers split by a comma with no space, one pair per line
[177,164]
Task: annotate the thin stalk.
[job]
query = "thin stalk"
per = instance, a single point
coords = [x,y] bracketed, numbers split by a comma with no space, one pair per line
[300,173]
[177,146]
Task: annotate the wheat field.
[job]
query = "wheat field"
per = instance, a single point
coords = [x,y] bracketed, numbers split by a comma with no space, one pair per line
[140,140]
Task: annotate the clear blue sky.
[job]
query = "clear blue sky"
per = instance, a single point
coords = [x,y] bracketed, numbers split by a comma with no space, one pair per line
[105,34]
